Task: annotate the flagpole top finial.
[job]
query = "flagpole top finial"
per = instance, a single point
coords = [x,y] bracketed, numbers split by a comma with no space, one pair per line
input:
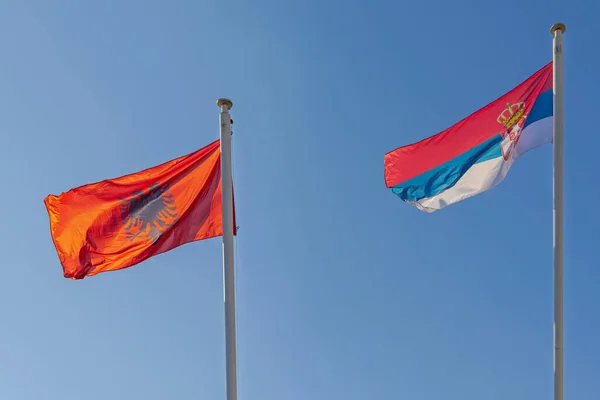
[225,102]
[559,26]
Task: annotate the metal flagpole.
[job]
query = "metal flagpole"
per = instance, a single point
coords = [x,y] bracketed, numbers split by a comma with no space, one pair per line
[557,61]
[228,270]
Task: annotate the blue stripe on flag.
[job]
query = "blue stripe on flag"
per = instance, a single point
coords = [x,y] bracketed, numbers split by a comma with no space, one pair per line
[446,175]
[542,108]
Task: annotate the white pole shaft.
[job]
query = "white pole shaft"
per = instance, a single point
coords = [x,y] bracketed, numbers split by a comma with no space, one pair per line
[558,30]
[228,268]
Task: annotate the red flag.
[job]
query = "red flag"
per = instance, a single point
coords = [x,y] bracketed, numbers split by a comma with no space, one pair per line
[117,223]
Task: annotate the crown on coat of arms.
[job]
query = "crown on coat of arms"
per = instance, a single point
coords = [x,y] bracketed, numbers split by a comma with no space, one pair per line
[511,114]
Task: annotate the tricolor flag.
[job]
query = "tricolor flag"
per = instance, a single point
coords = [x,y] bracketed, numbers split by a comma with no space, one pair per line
[474,155]
[117,223]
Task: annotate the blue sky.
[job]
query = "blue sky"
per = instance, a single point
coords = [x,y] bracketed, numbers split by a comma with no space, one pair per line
[344,292]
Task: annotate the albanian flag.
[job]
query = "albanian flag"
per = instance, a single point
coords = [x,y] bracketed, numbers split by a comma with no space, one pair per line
[117,223]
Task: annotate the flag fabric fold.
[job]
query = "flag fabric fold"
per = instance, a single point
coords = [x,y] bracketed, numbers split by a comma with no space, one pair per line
[475,154]
[118,223]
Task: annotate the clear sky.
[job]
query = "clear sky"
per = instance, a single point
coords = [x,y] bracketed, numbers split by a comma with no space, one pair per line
[344,291]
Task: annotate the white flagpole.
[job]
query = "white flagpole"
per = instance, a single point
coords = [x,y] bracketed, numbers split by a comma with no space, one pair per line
[557,61]
[228,270]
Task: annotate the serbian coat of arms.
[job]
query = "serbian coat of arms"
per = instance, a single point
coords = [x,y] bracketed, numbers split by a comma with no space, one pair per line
[512,118]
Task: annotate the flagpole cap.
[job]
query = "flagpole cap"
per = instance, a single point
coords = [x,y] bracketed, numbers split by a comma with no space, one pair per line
[559,26]
[225,102]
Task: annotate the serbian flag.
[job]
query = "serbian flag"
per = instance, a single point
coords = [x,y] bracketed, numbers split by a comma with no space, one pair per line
[117,223]
[474,155]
